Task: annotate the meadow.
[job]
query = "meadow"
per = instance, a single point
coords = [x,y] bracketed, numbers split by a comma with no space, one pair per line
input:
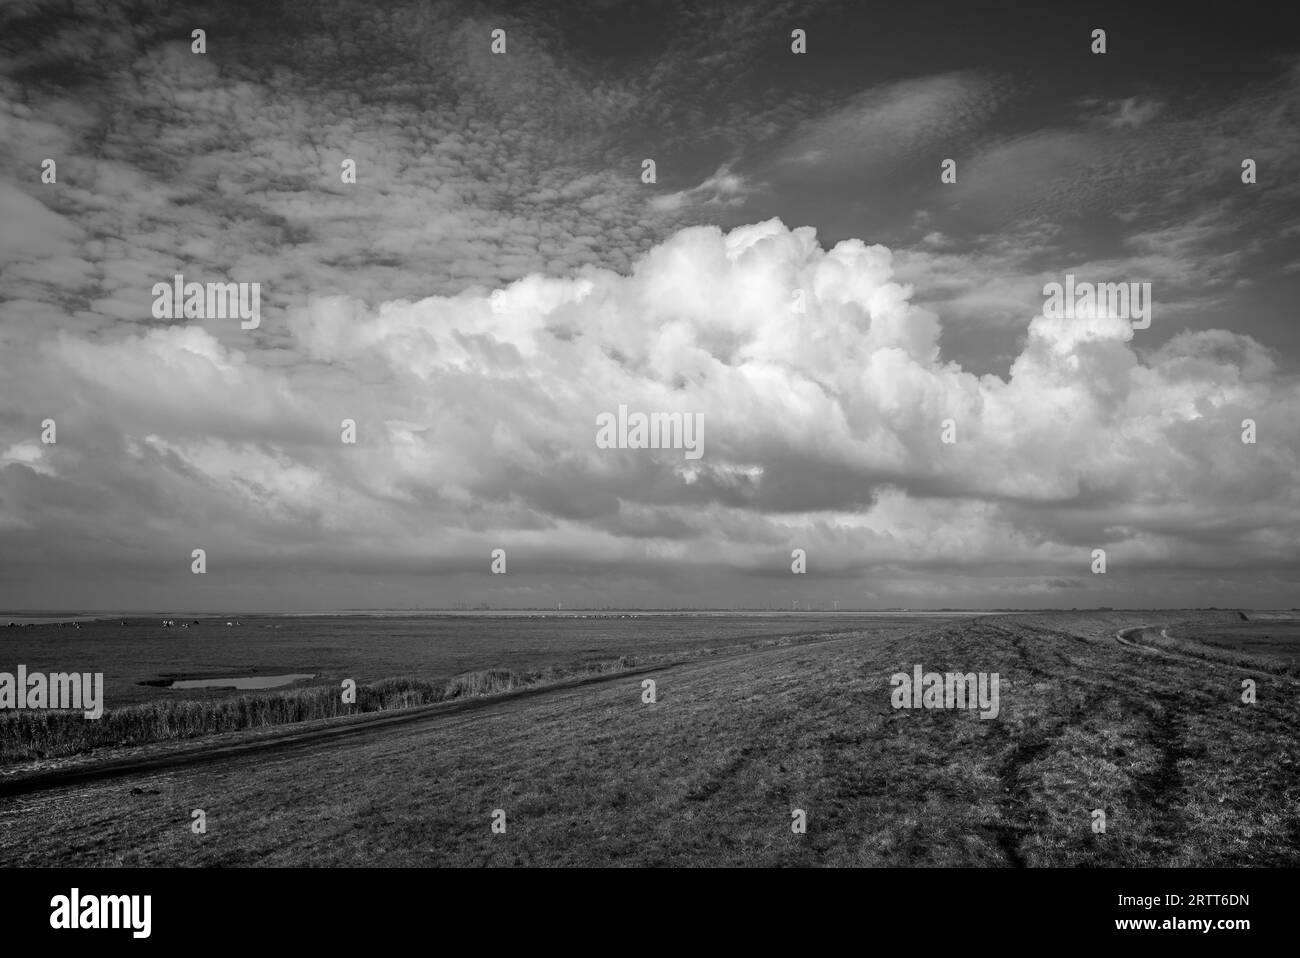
[1273,643]
[396,661]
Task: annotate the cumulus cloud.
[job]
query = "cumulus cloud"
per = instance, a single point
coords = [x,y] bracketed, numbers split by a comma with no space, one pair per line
[823,389]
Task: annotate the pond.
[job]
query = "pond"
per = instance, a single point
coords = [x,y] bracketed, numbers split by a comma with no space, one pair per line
[244,682]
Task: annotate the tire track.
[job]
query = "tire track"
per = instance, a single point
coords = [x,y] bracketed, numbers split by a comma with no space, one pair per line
[1016,798]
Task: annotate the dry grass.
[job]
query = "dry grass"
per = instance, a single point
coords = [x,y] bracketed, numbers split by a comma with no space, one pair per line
[1187,774]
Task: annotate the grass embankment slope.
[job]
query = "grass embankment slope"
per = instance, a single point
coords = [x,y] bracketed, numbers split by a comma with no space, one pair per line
[43,734]
[1186,773]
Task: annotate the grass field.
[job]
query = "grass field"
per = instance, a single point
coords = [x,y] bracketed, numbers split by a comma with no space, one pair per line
[397,662]
[431,648]
[1186,773]
[1273,642]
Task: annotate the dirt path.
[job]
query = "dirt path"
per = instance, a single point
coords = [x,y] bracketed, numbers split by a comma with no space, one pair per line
[1122,636]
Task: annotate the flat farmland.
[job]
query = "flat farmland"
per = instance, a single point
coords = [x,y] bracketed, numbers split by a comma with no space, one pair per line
[368,648]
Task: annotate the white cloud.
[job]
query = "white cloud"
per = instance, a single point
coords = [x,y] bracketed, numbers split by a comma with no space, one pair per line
[822,429]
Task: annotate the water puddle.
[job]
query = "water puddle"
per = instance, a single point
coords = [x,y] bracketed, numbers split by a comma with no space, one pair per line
[244,682]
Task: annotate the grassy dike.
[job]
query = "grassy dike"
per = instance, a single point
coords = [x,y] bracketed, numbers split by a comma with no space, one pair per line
[28,734]
[36,734]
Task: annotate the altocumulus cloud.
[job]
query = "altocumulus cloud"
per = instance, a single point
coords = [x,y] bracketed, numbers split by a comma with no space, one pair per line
[823,391]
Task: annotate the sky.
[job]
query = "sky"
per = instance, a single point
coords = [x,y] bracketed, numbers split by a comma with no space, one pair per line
[797,275]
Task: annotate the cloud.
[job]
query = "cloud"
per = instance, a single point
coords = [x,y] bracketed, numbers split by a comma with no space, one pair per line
[475,414]
[723,188]
[476,423]
[1131,111]
[893,124]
